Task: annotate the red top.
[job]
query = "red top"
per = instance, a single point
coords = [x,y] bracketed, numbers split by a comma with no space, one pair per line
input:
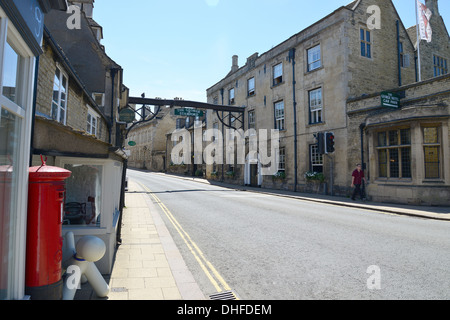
[48,173]
[359,175]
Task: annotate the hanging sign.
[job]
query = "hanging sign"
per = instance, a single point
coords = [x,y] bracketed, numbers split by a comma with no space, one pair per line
[390,100]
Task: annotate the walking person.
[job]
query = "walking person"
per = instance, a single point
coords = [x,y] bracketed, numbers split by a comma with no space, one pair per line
[357,179]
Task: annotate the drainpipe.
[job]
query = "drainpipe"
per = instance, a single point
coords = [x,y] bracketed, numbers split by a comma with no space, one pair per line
[399,57]
[122,201]
[361,128]
[113,77]
[292,59]
[223,138]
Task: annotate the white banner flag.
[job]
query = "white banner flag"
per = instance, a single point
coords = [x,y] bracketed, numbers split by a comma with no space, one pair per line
[424,15]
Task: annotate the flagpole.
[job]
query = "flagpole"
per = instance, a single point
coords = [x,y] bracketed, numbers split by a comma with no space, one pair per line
[418,41]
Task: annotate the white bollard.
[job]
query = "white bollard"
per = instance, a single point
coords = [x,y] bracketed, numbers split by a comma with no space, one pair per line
[88,250]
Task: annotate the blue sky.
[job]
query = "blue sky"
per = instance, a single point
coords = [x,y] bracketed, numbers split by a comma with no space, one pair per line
[180,48]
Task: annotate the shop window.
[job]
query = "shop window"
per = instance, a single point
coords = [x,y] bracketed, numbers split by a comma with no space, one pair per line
[432,150]
[83,195]
[16,92]
[394,153]
[11,74]
[9,166]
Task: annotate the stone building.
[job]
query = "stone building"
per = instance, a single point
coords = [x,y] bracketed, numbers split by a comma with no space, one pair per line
[75,126]
[21,35]
[309,84]
[149,151]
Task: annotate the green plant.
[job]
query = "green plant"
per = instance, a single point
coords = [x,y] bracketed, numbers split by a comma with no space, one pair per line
[280,175]
[230,174]
[315,176]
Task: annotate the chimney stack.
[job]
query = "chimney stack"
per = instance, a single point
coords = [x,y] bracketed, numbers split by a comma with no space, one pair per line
[433,6]
[235,65]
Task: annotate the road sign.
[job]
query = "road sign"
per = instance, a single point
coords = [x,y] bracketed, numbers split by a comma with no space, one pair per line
[390,100]
[127,115]
[188,112]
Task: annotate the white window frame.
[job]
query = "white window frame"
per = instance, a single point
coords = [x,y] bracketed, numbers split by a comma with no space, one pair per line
[95,95]
[231,94]
[59,104]
[316,159]
[315,106]
[22,110]
[279,115]
[282,159]
[277,74]
[93,119]
[251,87]
[252,119]
[314,58]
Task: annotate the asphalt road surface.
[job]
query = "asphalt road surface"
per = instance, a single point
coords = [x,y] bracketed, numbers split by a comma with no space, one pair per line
[266,247]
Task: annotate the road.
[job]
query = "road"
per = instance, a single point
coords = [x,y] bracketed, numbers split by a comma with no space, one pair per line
[267,247]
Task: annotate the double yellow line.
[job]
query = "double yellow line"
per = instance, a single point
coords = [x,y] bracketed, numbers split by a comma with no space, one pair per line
[214,277]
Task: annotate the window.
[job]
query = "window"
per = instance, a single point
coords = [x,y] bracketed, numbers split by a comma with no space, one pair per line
[59,102]
[83,197]
[432,150]
[394,153]
[282,160]
[92,122]
[16,93]
[366,43]
[99,99]
[316,161]
[315,106]
[251,120]
[231,95]
[278,74]
[404,58]
[440,66]
[11,74]
[314,58]
[279,115]
[251,87]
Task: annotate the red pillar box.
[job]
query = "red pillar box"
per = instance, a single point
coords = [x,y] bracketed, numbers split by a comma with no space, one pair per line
[46,196]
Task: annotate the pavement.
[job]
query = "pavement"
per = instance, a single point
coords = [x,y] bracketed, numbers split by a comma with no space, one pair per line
[149,266]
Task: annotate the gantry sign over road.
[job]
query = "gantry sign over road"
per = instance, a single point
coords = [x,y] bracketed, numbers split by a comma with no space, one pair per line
[223,112]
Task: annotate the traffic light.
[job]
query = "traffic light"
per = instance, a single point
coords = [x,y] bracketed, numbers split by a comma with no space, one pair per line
[320,137]
[329,142]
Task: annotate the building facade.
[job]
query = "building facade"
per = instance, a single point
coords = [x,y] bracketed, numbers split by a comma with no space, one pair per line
[148,151]
[306,85]
[21,32]
[76,126]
